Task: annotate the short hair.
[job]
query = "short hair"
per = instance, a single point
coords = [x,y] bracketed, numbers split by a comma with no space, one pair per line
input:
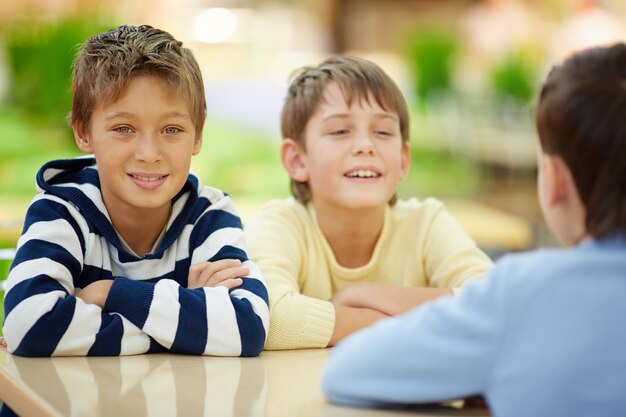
[106,63]
[358,79]
[580,117]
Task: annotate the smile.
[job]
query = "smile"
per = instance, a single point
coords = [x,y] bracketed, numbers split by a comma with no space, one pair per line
[362,173]
[144,178]
[148,182]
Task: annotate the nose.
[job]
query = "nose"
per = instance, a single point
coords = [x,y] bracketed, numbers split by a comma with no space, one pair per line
[148,148]
[363,144]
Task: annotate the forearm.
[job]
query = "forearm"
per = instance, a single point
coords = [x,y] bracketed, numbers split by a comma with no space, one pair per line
[388,299]
[179,318]
[57,325]
[450,345]
[350,319]
[298,321]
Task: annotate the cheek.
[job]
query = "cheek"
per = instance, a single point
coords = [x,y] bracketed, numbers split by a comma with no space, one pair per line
[394,160]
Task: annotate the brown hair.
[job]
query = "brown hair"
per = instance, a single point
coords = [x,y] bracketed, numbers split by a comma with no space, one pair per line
[580,117]
[106,62]
[358,79]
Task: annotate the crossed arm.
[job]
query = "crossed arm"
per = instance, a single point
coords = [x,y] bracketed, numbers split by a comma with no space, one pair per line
[363,303]
[224,272]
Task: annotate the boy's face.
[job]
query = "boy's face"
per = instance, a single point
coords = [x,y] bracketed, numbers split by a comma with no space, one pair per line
[143,144]
[354,156]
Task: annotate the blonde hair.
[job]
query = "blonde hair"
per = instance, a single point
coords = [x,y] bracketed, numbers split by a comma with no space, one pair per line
[358,79]
[106,62]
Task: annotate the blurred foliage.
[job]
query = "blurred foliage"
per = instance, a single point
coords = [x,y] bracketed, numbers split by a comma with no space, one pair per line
[40,56]
[514,77]
[439,173]
[430,52]
[25,148]
[243,162]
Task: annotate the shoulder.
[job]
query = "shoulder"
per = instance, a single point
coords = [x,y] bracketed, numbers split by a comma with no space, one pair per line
[286,220]
[212,194]
[48,207]
[286,210]
[213,208]
[528,272]
[285,205]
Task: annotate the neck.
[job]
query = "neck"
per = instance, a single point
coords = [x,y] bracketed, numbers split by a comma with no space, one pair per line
[139,229]
[351,234]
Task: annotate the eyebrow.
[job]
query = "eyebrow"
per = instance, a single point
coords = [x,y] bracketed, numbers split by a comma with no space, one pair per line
[391,116]
[122,114]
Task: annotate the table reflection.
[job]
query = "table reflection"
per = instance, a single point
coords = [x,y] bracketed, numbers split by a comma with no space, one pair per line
[144,385]
[275,384]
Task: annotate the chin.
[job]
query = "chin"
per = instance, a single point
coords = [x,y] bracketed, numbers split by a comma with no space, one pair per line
[366,204]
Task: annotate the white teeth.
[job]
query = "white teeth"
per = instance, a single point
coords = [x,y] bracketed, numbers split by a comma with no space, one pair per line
[140,178]
[362,173]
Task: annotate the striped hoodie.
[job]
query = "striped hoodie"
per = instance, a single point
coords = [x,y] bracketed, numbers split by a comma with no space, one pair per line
[68,242]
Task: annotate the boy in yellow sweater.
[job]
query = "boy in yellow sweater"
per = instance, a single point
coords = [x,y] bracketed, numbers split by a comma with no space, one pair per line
[343,252]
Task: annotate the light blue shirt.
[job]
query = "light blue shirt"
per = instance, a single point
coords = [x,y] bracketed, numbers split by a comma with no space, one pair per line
[542,335]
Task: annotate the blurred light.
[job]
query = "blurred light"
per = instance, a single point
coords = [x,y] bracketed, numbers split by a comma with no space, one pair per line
[283,64]
[215,25]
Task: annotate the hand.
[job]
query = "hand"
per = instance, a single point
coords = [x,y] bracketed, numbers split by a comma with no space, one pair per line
[350,319]
[3,343]
[225,272]
[96,292]
[350,295]
[386,298]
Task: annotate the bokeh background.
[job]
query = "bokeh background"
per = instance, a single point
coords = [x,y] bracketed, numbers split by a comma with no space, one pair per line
[469,69]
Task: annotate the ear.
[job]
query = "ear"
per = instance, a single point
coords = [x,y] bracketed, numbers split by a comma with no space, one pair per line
[197,144]
[293,158]
[558,180]
[406,159]
[82,139]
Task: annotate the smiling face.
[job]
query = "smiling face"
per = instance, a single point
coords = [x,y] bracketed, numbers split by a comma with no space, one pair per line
[143,143]
[354,156]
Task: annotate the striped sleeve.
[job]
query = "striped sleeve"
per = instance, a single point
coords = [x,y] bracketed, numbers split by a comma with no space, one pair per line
[210,320]
[42,316]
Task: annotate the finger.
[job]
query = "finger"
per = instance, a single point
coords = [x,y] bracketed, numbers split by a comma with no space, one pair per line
[212,268]
[231,283]
[224,263]
[226,274]
[195,271]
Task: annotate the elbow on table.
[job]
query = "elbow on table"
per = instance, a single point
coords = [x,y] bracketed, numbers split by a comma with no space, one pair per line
[27,349]
[253,337]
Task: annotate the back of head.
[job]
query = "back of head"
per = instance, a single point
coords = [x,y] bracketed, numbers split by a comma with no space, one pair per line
[106,63]
[358,79]
[580,117]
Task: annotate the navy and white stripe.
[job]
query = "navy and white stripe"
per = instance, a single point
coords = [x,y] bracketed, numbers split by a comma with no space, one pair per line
[69,242]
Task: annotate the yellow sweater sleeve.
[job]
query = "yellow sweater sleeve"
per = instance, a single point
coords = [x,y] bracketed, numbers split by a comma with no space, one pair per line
[276,241]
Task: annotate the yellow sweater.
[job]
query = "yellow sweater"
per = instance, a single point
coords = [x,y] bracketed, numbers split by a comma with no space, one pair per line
[420,245]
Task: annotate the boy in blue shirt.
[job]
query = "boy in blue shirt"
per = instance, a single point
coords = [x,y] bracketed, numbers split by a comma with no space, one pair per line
[124,251]
[541,335]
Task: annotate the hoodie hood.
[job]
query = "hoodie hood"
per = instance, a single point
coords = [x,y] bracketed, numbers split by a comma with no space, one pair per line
[77,182]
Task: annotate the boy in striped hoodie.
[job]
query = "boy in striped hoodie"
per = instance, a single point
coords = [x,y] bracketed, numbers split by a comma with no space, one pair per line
[124,251]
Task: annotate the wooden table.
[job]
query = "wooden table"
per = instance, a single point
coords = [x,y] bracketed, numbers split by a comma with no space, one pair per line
[274,384]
